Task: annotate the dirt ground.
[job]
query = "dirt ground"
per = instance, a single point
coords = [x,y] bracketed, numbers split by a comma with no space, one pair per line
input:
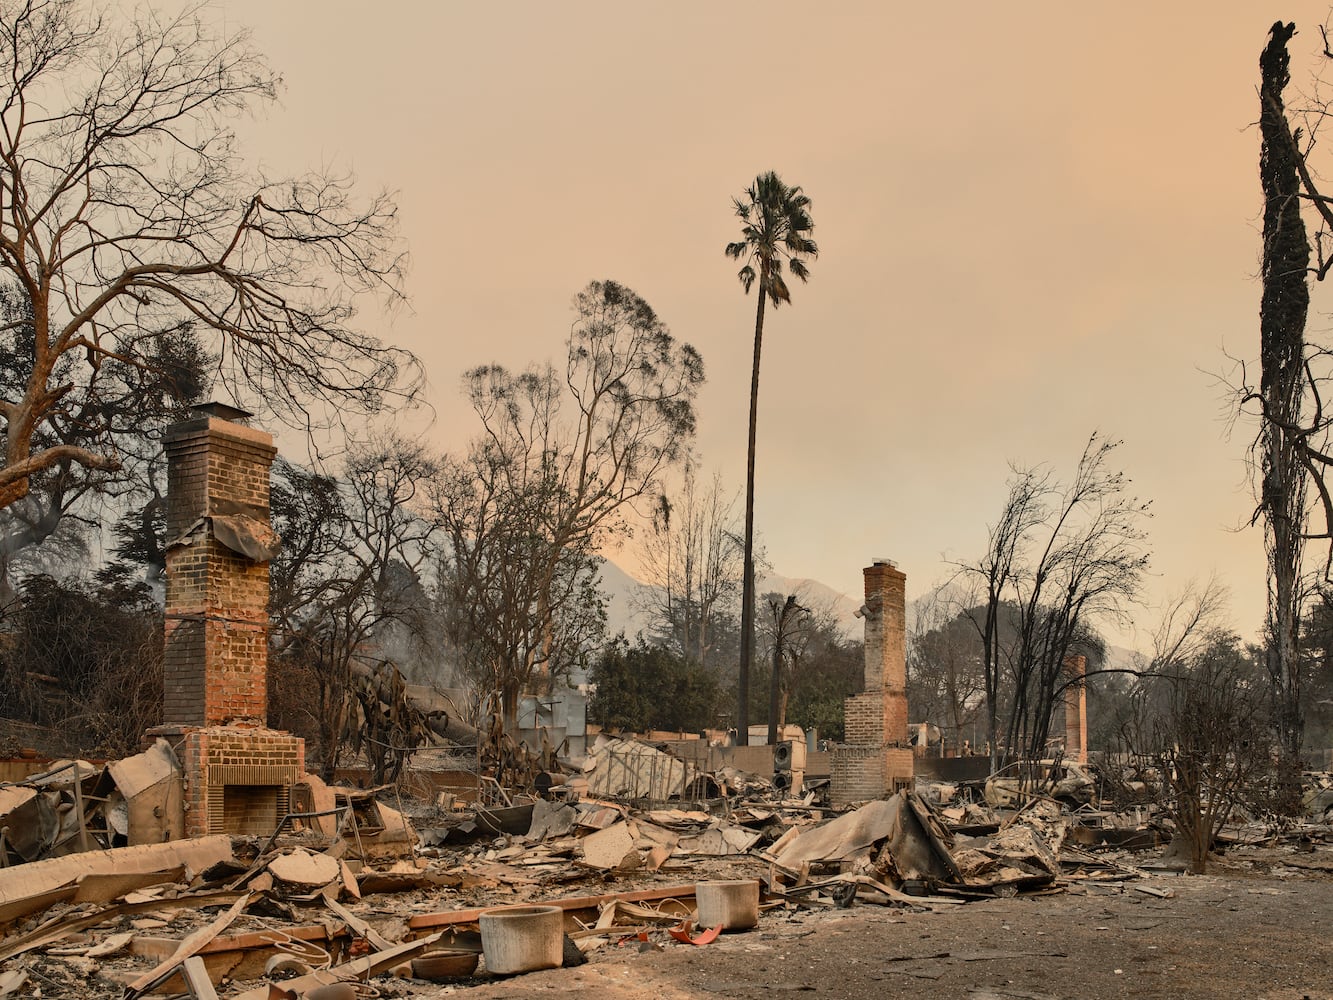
[1253,929]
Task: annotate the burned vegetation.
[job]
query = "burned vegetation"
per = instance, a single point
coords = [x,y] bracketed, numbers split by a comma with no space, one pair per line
[226,773]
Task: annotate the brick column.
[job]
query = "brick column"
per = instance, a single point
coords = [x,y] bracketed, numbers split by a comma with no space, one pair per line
[877,754]
[886,645]
[1076,710]
[216,656]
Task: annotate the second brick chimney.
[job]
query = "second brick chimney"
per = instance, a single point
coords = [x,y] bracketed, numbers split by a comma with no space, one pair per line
[1076,709]
[876,758]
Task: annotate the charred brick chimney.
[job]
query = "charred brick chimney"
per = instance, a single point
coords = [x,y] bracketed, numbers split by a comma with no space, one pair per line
[1076,709]
[876,758]
[219,541]
[238,773]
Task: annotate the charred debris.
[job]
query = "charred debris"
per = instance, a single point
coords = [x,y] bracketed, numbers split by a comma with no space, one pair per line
[99,891]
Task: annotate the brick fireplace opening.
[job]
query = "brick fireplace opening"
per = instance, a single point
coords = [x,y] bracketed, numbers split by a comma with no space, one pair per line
[876,759]
[238,772]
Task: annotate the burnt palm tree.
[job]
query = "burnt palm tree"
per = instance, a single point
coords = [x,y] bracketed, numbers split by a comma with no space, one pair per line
[775,230]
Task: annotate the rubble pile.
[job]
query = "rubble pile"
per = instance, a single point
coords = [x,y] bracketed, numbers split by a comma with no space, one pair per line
[75,806]
[346,889]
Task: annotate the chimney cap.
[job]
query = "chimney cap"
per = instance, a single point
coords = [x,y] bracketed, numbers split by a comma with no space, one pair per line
[884,561]
[222,411]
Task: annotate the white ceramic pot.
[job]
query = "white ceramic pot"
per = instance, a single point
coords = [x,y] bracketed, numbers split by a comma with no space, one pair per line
[732,905]
[522,938]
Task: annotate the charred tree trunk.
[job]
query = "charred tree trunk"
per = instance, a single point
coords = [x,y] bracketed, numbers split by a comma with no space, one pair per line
[777,706]
[1282,315]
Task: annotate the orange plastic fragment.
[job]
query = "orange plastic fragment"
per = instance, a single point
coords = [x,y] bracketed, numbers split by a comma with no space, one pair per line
[682,934]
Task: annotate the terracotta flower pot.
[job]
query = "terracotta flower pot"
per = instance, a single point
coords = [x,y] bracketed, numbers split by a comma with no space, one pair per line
[445,964]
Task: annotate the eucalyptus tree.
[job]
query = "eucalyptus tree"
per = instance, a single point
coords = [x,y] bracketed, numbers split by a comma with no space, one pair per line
[562,458]
[775,236]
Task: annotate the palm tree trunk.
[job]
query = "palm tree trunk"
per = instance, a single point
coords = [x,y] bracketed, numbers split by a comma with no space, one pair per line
[747,583]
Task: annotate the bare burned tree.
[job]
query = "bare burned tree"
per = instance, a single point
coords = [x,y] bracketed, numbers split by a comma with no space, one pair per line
[1087,572]
[791,623]
[512,618]
[1211,741]
[1293,449]
[68,502]
[125,210]
[1284,459]
[354,551]
[1192,624]
[1062,558]
[995,572]
[693,560]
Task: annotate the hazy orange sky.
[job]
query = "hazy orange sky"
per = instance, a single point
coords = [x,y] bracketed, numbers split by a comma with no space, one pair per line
[1035,221]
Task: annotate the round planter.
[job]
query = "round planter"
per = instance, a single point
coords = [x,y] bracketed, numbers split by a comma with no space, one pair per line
[734,906]
[333,991]
[522,938]
[445,964]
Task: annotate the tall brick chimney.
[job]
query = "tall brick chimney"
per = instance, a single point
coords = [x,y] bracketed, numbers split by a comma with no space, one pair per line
[876,758]
[886,643]
[219,544]
[1076,709]
[238,773]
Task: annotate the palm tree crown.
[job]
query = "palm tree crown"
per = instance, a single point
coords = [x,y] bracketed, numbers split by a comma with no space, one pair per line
[775,225]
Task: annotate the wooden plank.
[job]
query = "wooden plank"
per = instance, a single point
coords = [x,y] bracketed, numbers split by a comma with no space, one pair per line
[902,897]
[357,924]
[13,909]
[362,968]
[191,944]
[192,975]
[197,978]
[102,888]
[62,927]
[449,918]
[218,966]
[1152,890]
[159,948]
